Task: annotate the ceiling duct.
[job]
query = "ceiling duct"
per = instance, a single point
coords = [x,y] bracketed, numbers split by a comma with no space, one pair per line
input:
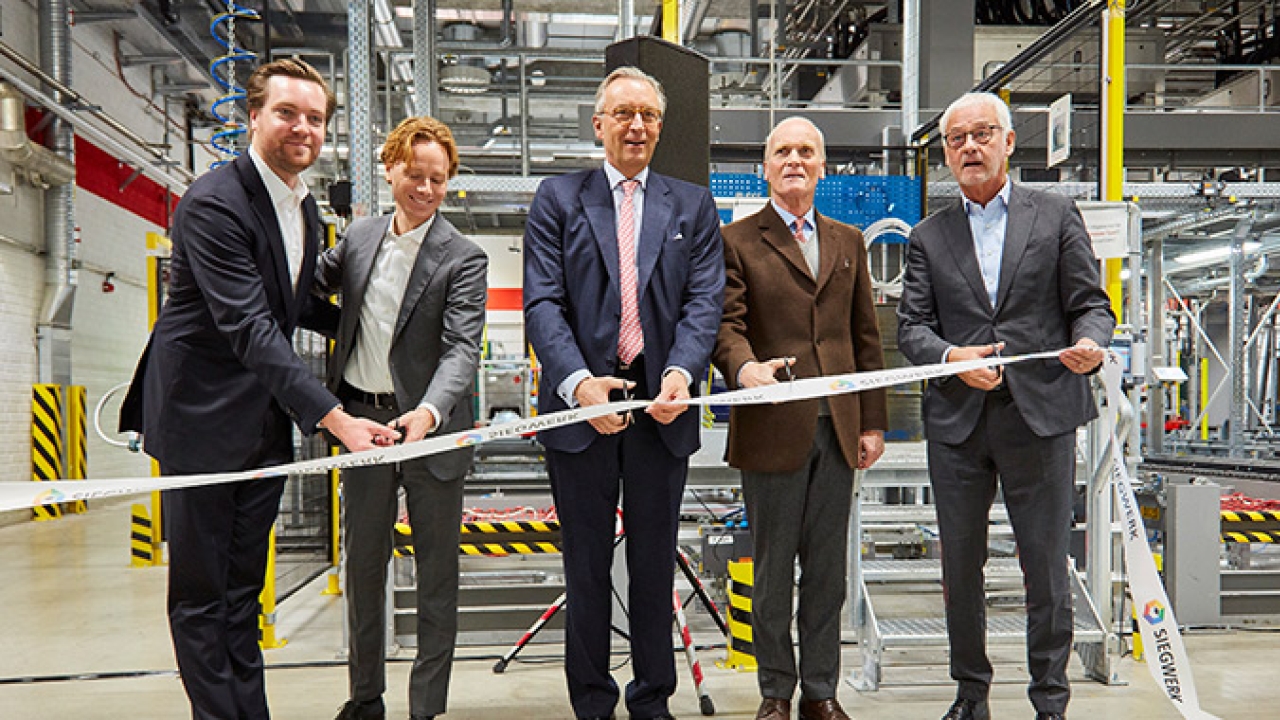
[464,76]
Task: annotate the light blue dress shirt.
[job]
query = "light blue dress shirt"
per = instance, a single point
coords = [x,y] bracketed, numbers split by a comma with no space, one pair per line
[810,231]
[988,225]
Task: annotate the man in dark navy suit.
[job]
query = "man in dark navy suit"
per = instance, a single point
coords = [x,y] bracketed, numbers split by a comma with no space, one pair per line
[623,282]
[219,383]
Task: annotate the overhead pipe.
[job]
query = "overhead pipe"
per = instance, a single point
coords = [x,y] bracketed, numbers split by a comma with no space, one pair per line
[44,167]
[151,163]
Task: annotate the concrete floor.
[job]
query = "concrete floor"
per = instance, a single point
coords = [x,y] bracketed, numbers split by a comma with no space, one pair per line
[84,636]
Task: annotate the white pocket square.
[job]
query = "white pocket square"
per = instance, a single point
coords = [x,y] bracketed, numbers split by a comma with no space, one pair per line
[679,236]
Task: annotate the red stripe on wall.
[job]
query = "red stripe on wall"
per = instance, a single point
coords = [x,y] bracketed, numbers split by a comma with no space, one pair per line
[505,299]
[100,173]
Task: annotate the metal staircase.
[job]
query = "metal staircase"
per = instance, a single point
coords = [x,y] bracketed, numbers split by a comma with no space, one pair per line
[924,626]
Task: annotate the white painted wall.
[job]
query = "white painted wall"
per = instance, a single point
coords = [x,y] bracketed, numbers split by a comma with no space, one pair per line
[109,330]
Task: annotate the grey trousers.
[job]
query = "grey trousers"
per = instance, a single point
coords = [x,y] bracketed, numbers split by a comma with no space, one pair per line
[1036,476]
[435,514]
[802,514]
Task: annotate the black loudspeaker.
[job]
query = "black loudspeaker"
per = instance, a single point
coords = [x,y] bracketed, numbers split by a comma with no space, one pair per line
[340,197]
[684,149]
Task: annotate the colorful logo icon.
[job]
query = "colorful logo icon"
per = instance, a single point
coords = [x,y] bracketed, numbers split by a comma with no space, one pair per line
[1153,613]
[844,385]
[50,497]
[469,439]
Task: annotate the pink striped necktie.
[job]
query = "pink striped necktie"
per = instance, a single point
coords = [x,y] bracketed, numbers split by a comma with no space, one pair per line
[798,231]
[630,335]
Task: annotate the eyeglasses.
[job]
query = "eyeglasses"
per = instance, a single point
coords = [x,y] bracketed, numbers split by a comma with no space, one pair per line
[625,114]
[981,136]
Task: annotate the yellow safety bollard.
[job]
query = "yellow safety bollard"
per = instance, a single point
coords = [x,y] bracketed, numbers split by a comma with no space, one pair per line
[46,446]
[77,442]
[141,537]
[267,620]
[741,651]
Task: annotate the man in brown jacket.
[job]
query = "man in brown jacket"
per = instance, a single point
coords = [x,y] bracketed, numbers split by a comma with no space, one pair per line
[798,301]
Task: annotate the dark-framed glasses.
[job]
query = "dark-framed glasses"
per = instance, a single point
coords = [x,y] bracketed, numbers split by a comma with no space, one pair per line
[625,114]
[981,135]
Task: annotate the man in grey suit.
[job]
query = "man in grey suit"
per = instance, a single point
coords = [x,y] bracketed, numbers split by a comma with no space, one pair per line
[1007,268]
[408,344]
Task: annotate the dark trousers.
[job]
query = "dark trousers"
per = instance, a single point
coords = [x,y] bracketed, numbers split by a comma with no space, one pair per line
[435,514]
[218,537]
[1036,476]
[586,488]
[801,514]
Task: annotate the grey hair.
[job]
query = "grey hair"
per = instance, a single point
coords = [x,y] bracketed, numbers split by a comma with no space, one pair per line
[822,140]
[627,71]
[1003,117]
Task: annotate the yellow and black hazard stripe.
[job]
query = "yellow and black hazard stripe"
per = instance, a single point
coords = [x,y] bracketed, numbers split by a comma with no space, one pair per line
[46,444]
[503,549]
[140,537]
[741,654]
[512,526]
[77,441]
[1251,536]
[1250,516]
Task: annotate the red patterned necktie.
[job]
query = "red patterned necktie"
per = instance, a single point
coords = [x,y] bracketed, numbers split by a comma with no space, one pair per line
[630,336]
[798,231]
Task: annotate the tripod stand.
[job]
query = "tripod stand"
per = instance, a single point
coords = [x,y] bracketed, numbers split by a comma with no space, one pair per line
[705,703]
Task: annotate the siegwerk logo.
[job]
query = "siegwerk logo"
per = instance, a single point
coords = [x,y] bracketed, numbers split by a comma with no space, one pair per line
[49,497]
[1153,613]
[844,385]
[469,439]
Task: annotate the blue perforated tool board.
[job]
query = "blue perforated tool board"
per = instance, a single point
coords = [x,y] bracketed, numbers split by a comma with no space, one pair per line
[854,199]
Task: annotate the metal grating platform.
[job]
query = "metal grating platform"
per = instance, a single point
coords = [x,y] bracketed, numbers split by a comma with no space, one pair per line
[1001,629]
[930,570]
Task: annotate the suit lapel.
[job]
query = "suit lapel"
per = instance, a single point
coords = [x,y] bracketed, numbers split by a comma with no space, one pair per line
[597,203]
[311,244]
[265,213]
[362,253]
[829,245]
[776,233]
[1017,233]
[959,240]
[653,230]
[430,256]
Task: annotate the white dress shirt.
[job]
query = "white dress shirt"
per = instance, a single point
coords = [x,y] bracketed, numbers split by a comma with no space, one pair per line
[287,202]
[369,367]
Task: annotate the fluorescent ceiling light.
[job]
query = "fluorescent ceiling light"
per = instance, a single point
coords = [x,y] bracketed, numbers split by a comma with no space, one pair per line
[1218,253]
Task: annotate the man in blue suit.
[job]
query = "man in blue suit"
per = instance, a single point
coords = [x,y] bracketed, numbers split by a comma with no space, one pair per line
[623,282]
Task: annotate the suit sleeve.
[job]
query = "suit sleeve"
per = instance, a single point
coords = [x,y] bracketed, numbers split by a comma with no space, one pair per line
[703,300]
[463,329]
[918,329]
[1085,304]
[868,351]
[733,349]
[219,248]
[546,307]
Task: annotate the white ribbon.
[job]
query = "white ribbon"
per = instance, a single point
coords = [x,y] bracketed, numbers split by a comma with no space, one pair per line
[1166,656]
[19,495]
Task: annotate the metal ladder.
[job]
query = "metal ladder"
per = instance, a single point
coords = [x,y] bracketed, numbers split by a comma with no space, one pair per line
[876,635]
